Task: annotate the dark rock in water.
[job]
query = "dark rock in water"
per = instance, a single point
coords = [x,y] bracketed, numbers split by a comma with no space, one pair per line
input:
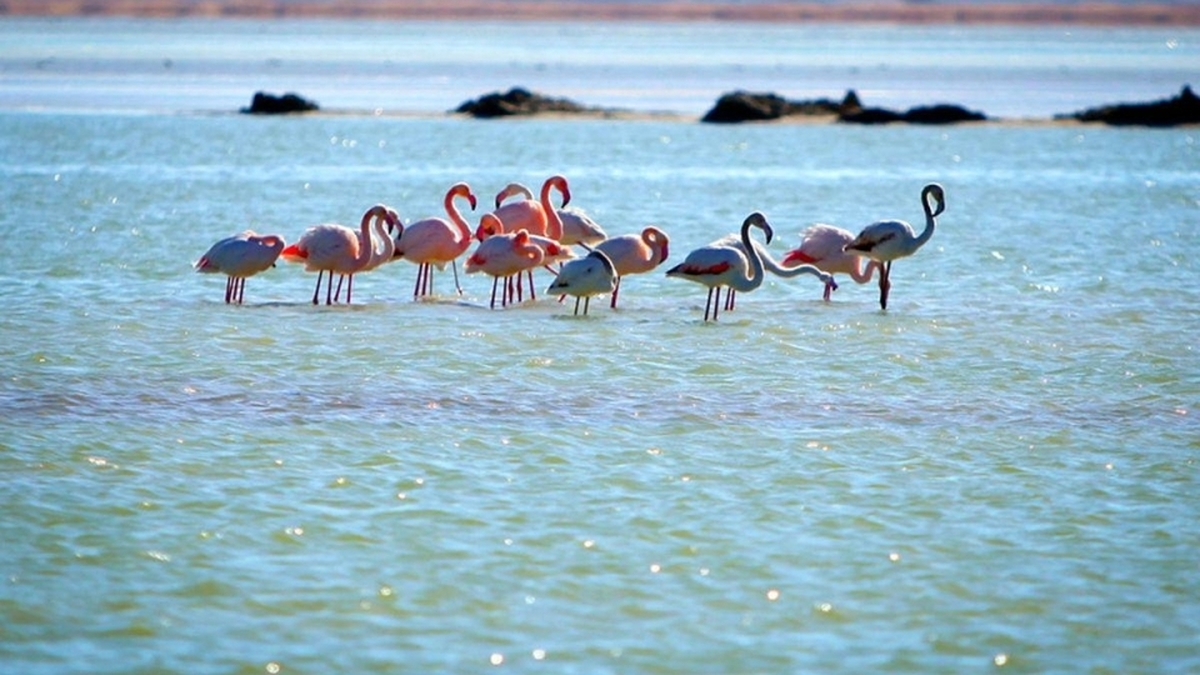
[942,114]
[871,116]
[518,101]
[1183,109]
[269,104]
[934,114]
[744,106]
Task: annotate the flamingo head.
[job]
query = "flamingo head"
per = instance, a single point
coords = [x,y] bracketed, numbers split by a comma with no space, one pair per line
[757,219]
[939,196]
[489,225]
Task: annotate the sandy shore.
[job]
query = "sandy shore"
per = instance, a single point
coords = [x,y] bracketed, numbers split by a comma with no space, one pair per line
[1082,13]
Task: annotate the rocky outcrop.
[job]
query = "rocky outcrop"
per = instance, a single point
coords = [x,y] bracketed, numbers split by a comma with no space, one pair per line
[744,106]
[1183,109]
[935,114]
[269,104]
[519,101]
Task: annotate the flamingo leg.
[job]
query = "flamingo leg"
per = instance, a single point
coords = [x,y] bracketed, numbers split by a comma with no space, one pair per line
[337,295]
[454,266]
[417,285]
[730,299]
[587,302]
[349,287]
[228,289]
[317,290]
[885,284]
[240,285]
[508,291]
[329,289]
[616,290]
[495,281]
[428,288]
[708,302]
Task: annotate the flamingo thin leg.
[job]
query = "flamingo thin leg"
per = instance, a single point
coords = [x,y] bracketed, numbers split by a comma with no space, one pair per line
[317,290]
[329,289]
[616,290]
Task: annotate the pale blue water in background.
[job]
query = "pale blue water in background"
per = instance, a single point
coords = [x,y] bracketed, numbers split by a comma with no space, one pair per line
[998,473]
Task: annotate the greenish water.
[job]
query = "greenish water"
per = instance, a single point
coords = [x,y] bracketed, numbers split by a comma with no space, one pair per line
[997,473]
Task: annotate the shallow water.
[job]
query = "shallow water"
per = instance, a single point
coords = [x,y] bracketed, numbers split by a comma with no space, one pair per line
[997,471]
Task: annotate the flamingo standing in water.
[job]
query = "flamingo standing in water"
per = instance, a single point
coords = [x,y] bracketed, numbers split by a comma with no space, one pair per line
[528,215]
[772,266]
[577,226]
[238,257]
[436,241]
[584,277]
[824,246]
[635,254]
[380,254]
[887,240]
[503,256]
[334,249]
[718,265]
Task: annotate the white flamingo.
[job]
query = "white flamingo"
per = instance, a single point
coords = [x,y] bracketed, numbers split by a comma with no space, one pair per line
[717,265]
[593,274]
[238,257]
[888,240]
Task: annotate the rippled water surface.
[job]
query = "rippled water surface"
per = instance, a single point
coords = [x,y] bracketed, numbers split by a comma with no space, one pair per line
[997,472]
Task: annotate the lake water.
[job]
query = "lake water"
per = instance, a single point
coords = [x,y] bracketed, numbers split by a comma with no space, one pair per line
[998,472]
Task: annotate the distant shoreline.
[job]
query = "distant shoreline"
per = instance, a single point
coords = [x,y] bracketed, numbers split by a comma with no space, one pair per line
[1082,13]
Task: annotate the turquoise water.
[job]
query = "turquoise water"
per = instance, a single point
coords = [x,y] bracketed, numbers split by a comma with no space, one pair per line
[996,473]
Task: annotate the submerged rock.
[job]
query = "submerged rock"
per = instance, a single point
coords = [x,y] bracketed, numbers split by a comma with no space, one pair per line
[519,101]
[269,104]
[1183,109]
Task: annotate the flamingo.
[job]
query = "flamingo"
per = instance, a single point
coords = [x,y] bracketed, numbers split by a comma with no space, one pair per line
[436,241]
[552,252]
[334,249]
[502,256]
[635,254]
[770,265]
[717,265]
[584,277]
[379,254]
[238,257]
[887,240]
[577,226]
[824,246]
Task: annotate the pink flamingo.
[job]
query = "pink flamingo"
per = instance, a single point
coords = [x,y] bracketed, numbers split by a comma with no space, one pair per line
[380,254]
[635,254]
[334,249]
[717,265]
[887,240]
[577,226]
[436,241]
[502,256]
[552,252]
[824,247]
[238,257]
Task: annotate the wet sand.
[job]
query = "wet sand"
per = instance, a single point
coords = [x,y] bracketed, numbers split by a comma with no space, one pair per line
[1084,13]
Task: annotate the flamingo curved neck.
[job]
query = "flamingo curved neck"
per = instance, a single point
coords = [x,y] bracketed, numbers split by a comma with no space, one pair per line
[861,274]
[742,283]
[464,228]
[930,215]
[554,225]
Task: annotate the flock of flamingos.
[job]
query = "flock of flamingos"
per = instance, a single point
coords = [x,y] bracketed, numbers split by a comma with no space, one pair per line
[521,235]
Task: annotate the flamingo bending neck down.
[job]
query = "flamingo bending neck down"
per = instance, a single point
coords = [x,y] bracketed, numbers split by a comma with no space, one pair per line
[719,265]
[584,277]
[334,249]
[635,254]
[888,240]
[503,256]
[824,246]
[436,241]
[238,257]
